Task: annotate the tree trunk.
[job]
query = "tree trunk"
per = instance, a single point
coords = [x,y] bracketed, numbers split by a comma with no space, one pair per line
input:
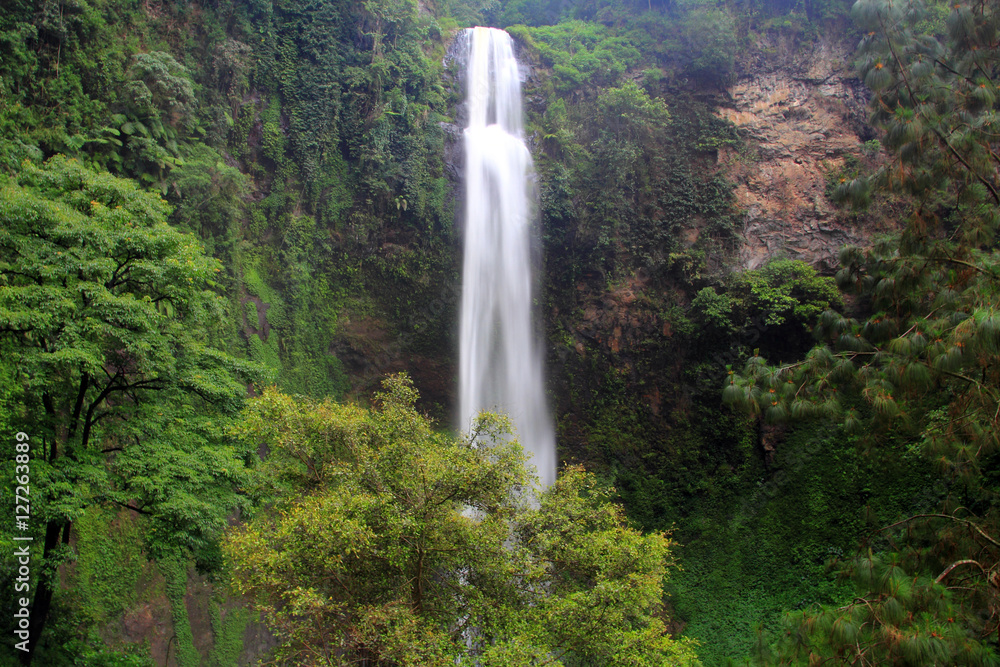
[43,592]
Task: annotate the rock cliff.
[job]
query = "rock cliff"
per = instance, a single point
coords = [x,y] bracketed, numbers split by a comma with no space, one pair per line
[802,111]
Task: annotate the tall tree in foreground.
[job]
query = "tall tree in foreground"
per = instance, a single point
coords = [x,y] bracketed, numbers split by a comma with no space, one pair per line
[106,310]
[389,543]
[923,368]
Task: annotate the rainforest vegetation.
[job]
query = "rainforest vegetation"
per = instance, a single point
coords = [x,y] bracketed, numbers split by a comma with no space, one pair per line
[230,244]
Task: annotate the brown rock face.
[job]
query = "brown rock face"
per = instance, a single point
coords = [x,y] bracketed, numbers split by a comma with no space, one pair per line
[803,111]
[370,351]
[618,319]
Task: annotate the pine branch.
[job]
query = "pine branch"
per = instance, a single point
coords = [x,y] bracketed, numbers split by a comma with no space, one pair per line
[944,516]
[981,179]
[947,570]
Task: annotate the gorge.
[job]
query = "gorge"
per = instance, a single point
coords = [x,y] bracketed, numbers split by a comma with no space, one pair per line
[201,197]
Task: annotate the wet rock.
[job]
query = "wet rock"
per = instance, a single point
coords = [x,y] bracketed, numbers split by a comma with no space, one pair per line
[804,109]
[771,435]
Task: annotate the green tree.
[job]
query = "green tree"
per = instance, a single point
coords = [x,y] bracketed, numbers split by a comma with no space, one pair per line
[920,360]
[393,544]
[711,42]
[208,196]
[107,309]
[781,292]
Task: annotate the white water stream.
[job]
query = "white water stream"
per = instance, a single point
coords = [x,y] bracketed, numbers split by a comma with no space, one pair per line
[500,358]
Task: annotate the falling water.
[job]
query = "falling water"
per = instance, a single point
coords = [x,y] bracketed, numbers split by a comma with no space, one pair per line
[500,357]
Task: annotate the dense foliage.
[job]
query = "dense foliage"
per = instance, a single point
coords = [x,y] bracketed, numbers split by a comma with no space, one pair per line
[920,359]
[108,311]
[412,548]
[310,148]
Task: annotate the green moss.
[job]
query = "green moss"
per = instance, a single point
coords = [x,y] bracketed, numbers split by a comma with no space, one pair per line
[109,563]
[265,352]
[175,570]
[228,634]
[764,547]
[256,286]
[250,312]
[581,52]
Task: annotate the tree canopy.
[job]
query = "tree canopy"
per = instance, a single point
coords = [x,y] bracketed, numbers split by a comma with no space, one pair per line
[107,310]
[394,544]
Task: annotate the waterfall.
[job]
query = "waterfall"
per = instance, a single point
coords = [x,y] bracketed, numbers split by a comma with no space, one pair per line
[500,358]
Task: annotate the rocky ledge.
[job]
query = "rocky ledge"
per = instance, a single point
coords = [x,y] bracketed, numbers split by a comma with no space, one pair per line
[802,111]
